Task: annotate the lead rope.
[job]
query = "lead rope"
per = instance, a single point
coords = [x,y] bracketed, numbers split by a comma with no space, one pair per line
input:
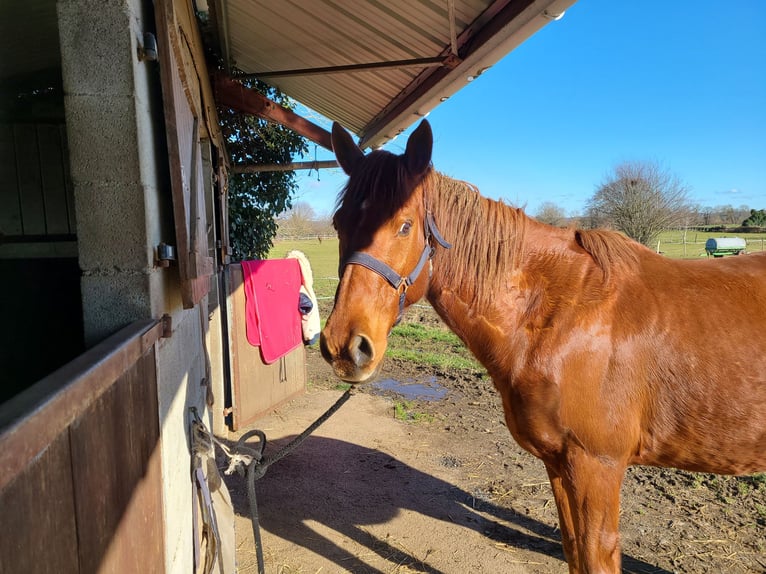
[255,464]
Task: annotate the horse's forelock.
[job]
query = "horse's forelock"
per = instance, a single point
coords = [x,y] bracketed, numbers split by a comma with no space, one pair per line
[377,189]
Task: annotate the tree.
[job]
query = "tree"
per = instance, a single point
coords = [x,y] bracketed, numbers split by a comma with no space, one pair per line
[550,213]
[298,221]
[255,199]
[757,218]
[641,199]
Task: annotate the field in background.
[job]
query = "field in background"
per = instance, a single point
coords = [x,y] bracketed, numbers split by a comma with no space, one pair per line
[691,244]
[322,256]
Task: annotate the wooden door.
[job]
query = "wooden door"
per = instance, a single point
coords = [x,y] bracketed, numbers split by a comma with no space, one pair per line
[256,388]
[189,120]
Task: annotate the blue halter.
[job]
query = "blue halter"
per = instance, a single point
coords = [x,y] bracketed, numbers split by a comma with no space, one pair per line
[397,281]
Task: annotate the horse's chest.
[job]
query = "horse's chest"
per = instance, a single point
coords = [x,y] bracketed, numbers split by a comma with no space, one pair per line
[532,414]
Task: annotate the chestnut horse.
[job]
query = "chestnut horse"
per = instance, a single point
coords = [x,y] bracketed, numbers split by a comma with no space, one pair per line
[605,353]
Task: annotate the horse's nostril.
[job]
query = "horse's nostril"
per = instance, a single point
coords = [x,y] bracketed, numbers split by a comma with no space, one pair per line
[361,350]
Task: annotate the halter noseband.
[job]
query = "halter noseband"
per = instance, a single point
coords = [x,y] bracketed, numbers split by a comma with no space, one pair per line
[394,279]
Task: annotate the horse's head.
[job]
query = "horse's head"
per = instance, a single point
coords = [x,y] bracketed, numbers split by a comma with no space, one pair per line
[383,228]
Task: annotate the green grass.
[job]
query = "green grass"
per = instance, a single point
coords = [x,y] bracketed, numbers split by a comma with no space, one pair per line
[403,411]
[435,346]
[418,332]
[444,361]
[432,346]
[323,256]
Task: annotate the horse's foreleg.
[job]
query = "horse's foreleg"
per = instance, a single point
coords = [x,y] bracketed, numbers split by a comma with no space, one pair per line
[566,523]
[593,486]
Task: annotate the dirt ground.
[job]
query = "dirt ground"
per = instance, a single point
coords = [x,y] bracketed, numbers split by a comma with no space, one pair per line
[449,491]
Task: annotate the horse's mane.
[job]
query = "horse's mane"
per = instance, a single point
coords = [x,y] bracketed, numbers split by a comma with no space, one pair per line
[493,235]
[608,249]
[491,232]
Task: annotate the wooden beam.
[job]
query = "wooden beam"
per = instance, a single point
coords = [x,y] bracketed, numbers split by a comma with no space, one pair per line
[398,64]
[232,94]
[256,168]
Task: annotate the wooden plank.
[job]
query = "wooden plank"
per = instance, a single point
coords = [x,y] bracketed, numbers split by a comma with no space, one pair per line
[32,419]
[257,388]
[180,94]
[189,29]
[222,212]
[37,510]
[10,206]
[116,453]
[262,388]
[52,179]
[29,179]
[186,70]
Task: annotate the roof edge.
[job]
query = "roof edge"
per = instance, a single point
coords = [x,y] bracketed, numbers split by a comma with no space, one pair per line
[515,24]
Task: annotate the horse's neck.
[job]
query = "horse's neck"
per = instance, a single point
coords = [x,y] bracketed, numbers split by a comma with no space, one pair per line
[487,244]
[483,284]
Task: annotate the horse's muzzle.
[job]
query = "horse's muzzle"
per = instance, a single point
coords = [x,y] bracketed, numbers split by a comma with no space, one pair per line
[352,362]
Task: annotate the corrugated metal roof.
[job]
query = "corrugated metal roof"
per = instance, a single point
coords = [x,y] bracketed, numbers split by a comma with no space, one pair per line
[262,36]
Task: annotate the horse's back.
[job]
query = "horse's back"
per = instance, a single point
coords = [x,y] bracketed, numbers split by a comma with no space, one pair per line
[723,293]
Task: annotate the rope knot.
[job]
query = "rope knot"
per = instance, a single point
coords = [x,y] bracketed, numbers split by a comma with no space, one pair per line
[243,457]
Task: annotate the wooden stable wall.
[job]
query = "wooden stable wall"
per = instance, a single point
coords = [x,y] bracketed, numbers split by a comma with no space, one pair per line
[36,199]
[80,488]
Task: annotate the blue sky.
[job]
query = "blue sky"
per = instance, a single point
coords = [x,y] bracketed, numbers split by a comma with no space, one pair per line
[676,82]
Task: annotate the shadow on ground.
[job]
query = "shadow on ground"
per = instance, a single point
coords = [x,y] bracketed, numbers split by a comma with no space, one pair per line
[346,487]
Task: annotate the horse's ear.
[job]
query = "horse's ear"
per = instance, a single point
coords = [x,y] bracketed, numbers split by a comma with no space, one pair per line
[419,147]
[346,151]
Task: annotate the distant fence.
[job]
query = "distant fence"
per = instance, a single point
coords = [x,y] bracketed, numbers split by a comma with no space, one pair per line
[314,237]
[693,248]
[726,229]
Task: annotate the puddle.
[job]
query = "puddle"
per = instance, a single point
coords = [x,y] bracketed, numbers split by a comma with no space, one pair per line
[413,389]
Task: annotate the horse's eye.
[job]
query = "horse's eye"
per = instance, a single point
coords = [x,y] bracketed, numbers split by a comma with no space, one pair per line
[404,230]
